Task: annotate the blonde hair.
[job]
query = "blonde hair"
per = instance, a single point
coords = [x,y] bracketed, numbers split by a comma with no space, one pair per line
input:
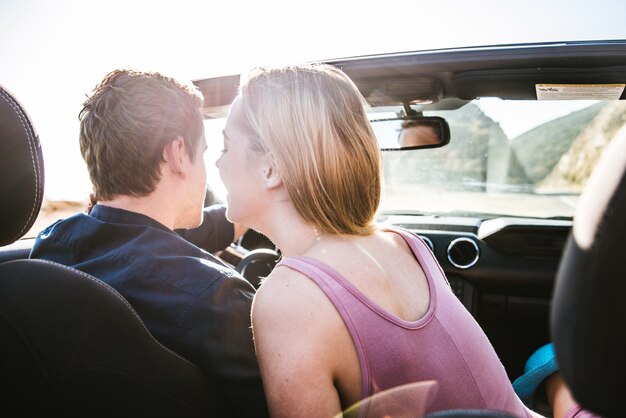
[312,120]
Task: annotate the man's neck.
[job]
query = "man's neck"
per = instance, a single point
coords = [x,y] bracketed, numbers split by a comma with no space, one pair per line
[150,206]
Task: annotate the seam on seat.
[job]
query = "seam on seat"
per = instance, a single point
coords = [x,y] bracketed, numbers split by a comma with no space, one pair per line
[34,161]
[109,289]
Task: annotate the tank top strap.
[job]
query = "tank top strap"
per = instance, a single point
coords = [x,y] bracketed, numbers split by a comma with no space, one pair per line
[424,255]
[339,292]
[334,286]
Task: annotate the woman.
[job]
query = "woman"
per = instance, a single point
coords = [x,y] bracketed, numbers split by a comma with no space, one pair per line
[352,309]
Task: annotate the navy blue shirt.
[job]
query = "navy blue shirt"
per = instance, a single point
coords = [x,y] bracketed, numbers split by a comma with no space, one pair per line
[189,300]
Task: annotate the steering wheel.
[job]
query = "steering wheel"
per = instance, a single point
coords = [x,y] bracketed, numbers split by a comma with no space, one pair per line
[257,265]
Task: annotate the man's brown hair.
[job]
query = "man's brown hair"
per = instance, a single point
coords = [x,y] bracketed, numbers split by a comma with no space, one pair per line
[125,124]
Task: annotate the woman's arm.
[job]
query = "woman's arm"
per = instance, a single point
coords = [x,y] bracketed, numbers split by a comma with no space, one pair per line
[292,325]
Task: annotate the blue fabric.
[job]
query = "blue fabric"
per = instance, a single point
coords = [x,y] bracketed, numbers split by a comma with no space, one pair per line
[189,300]
[540,365]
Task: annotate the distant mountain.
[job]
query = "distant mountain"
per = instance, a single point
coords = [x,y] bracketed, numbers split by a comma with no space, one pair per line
[463,164]
[575,165]
[541,148]
[554,157]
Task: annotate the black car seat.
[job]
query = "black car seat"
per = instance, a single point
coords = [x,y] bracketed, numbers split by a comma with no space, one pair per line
[589,307]
[21,171]
[70,345]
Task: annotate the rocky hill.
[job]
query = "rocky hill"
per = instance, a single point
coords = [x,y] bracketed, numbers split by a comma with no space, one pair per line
[540,149]
[461,164]
[557,156]
[574,166]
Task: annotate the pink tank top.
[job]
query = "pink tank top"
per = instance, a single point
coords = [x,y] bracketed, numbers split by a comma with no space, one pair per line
[446,345]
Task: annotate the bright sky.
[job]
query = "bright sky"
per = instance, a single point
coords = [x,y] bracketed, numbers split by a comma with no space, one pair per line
[53,52]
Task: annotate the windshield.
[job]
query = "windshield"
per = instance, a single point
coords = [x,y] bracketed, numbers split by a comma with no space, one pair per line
[513,158]
[505,158]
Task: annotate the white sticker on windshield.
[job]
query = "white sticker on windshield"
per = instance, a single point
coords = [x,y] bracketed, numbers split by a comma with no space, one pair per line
[579,91]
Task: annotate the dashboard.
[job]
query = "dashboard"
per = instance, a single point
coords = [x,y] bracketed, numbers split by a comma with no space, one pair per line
[502,270]
[512,256]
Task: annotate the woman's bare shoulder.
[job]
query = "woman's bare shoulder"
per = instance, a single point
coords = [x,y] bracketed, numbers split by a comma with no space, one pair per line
[288,292]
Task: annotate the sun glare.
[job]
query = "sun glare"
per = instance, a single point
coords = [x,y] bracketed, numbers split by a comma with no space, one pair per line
[68,46]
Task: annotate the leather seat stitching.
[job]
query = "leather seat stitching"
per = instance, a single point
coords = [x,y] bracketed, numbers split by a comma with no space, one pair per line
[117,295]
[34,161]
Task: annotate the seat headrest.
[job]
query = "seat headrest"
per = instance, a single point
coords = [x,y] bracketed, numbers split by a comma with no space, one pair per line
[21,170]
[589,307]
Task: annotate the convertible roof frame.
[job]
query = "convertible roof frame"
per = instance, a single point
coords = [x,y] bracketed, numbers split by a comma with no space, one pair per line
[506,71]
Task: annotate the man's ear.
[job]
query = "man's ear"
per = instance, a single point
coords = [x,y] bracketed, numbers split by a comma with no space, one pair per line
[173,154]
[270,172]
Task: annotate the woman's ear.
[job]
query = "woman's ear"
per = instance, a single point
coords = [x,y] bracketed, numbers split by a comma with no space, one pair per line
[271,175]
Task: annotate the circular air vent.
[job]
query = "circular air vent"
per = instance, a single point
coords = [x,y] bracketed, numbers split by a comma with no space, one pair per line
[428,242]
[463,253]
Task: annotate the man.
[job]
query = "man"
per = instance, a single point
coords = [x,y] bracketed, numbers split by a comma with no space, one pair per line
[416,133]
[142,138]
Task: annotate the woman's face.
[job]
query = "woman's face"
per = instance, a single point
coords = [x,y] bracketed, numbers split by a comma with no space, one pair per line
[239,168]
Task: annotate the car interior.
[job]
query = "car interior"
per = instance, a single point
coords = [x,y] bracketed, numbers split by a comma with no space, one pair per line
[528,278]
[502,268]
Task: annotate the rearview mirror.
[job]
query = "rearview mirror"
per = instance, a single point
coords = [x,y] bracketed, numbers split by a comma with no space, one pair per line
[411,132]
